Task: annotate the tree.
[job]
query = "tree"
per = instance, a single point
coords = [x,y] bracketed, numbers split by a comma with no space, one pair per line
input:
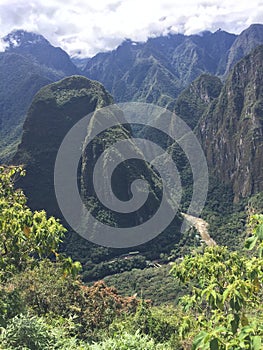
[25,235]
[225,290]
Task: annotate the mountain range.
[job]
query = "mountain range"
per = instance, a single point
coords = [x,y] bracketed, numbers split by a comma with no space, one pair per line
[155,71]
[213,81]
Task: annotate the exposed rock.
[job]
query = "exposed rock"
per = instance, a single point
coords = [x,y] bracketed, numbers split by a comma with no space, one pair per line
[231,131]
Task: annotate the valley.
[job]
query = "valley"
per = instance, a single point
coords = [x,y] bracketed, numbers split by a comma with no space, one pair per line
[196,288]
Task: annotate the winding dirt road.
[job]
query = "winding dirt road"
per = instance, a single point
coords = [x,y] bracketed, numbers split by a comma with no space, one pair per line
[201,226]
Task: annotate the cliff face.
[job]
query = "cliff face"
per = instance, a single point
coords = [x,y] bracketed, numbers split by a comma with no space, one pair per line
[231,131]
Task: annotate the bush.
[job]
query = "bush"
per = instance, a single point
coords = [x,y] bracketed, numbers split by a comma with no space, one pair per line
[128,341]
[10,303]
[25,332]
[46,291]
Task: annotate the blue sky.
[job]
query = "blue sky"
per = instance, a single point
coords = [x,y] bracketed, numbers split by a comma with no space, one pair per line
[92,26]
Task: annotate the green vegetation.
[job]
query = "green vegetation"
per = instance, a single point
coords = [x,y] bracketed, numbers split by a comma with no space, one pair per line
[153,283]
[45,305]
[189,296]
[225,295]
[40,288]
[25,235]
[193,101]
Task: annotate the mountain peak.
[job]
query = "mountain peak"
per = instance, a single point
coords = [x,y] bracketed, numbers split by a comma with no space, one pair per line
[35,46]
[248,40]
[21,38]
[254,26]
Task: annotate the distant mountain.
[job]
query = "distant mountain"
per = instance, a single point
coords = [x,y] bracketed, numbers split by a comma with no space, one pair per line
[29,63]
[231,130]
[80,63]
[20,79]
[158,70]
[37,48]
[174,71]
[249,39]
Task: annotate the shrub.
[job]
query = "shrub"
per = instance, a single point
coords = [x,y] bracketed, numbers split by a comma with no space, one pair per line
[128,341]
[26,332]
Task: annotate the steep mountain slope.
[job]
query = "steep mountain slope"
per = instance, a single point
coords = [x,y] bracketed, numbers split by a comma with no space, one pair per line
[54,110]
[249,39]
[20,79]
[37,48]
[131,72]
[158,70]
[28,63]
[193,101]
[231,131]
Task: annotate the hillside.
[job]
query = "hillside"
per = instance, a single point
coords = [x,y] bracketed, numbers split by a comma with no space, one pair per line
[28,63]
[54,110]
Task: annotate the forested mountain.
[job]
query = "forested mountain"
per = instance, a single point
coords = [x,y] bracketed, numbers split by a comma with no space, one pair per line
[158,70]
[53,112]
[193,101]
[20,80]
[162,71]
[28,63]
[203,297]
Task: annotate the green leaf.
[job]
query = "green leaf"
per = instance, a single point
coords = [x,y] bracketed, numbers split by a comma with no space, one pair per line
[199,340]
[235,323]
[259,232]
[257,343]
[251,242]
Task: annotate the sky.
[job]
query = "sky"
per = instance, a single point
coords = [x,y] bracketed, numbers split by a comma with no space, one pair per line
[86,27]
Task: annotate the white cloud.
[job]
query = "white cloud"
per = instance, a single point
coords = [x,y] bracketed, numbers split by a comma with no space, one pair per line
[3,45]
[91,26]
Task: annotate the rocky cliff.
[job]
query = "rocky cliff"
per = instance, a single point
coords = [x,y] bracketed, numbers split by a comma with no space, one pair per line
[231,130]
